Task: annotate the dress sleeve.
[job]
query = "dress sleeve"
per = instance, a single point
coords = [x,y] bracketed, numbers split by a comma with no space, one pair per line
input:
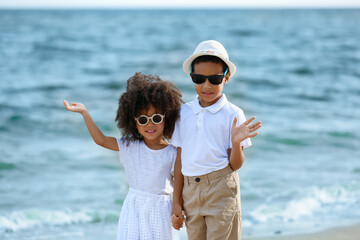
[122,148]
[241,118]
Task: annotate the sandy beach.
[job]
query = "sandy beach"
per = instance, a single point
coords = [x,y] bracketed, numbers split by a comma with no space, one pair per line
[339,233]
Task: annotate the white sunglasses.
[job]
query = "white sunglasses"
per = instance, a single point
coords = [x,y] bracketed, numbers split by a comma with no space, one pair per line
[155,118]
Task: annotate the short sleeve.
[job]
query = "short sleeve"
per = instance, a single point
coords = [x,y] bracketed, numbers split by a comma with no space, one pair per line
[122,148]
[241,118]
[176,137]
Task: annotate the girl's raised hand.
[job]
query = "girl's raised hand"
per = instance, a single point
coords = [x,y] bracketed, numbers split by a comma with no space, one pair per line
[244,130]
[75,107]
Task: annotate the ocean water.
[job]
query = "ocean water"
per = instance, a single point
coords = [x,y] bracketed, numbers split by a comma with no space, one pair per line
[298,72]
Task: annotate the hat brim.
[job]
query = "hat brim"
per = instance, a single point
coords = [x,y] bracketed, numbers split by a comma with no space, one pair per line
[187,63]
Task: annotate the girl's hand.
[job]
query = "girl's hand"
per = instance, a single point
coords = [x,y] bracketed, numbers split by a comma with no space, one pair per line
[75,107]
[178,221]
[244,131]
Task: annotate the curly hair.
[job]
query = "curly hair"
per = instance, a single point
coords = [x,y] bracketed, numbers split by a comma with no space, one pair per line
[141,92]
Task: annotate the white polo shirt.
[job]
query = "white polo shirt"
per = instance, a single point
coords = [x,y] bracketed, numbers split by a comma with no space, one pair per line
[204,135]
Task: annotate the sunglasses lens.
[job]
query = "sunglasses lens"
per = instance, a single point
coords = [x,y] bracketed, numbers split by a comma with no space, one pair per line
[157,118]
[216,79]
[142,120]
[197,78]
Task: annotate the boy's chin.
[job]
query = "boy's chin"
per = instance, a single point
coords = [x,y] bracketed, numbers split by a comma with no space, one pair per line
[206,101]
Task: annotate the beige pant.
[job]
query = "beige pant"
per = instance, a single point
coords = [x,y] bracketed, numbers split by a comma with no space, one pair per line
[212,205]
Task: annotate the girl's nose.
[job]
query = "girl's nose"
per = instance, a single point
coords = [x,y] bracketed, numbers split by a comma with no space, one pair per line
[150,123]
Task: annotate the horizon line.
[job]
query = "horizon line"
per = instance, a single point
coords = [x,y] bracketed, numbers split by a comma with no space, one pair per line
[230,7]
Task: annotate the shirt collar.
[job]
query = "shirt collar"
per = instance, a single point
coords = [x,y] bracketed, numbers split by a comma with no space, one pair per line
[196,107]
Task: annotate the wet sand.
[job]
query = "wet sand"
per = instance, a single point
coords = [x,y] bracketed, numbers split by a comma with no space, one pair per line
[339,233]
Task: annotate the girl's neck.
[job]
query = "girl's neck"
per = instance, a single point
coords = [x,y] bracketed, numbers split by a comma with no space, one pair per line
[156,144]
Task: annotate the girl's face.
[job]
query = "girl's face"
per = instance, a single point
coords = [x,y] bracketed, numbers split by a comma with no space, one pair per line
[151,132]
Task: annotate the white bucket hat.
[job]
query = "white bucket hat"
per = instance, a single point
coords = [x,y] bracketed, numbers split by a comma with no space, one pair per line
[212,48]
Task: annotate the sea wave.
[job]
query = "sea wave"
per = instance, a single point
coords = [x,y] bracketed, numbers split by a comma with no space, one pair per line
[7,166]
[62,48]
[244,32]
[314,200]
[40,88]
[37,218]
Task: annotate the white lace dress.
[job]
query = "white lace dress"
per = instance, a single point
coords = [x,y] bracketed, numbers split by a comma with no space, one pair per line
[145,214]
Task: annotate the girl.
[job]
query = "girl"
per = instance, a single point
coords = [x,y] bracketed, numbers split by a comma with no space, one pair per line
[146,116]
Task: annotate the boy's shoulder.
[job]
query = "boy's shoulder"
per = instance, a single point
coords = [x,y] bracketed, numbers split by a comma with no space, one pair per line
[226,108]
[187,107]
[230,107]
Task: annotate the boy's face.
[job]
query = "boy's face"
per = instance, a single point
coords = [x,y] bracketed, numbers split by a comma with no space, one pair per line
[207,92]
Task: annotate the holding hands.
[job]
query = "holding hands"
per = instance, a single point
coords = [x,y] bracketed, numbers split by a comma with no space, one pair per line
[178,221]
[244,130]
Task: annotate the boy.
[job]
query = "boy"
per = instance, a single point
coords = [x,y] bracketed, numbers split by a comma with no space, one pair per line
[210,150]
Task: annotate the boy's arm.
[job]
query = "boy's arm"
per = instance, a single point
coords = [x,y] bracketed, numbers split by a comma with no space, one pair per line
[237,156]
[96,134]
[239,134]
[177,209]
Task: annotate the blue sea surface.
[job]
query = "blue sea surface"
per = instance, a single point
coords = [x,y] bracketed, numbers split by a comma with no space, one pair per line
[298,72]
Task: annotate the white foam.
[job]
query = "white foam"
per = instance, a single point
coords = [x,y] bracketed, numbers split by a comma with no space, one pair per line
[313,201]
[33,218]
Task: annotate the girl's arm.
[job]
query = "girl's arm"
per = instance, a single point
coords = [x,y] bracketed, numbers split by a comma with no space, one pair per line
[239,134]
[96,134]
[178,213]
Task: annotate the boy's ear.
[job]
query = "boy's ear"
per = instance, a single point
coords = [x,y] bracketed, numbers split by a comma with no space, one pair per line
[227,77]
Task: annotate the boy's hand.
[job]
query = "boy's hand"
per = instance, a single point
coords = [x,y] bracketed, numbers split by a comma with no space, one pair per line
[75,107]
[178,221]
[244,131]
[177,216]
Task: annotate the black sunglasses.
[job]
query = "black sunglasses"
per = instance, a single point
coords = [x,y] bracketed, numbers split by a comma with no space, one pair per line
[155,118]
[213,79]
